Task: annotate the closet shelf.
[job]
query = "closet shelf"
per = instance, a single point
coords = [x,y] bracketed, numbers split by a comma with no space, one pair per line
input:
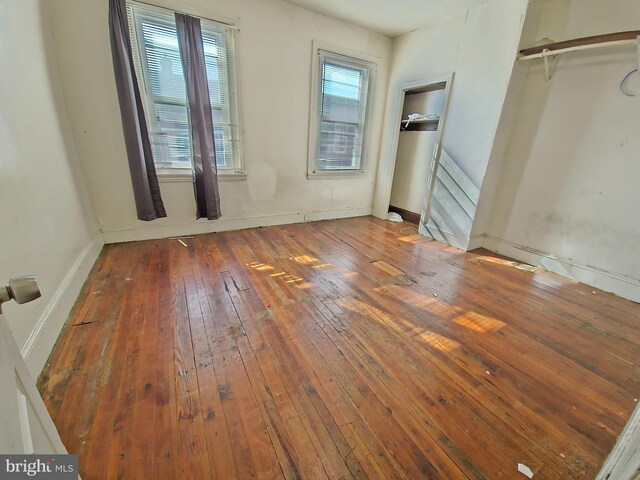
[424,124]
[424,120]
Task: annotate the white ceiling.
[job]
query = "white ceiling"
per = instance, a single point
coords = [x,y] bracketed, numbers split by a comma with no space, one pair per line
[389,17]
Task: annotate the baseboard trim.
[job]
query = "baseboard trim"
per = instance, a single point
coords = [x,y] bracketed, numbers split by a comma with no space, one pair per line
[475,241]
[621,285]
[152,232]
[40,342]
[381,214]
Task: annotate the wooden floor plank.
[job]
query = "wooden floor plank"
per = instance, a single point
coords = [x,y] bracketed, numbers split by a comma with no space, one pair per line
[165,426]
[323,431]
[339,349]
[193,447]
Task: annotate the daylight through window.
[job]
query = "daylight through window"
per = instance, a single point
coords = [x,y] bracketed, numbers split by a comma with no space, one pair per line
[342,89]
[159,71]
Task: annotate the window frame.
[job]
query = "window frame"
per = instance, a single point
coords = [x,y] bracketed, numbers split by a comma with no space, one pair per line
[349,57]
[234,172]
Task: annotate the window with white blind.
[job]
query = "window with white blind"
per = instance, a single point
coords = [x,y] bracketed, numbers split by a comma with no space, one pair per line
[159,71]
[339,113]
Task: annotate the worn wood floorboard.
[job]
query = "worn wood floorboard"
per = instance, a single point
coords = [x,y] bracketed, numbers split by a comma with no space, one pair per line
[344,349]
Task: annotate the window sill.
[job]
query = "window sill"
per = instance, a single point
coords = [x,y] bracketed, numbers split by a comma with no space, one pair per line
[186,177]
[333,174]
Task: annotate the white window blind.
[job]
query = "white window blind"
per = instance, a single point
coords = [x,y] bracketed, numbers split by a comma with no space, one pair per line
[159,70]
[342,90]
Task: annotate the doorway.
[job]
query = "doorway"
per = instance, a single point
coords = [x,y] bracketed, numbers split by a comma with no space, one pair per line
[420,126]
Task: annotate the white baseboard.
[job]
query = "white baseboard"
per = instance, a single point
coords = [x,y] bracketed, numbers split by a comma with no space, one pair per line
[39,344]
[621,285]
[475,241]
[381,214]
[151,232]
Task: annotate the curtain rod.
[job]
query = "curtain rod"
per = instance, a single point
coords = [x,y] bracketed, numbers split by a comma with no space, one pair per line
[227,21]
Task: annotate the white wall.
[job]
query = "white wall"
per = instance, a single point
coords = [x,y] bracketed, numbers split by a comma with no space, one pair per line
[425,54]
[274,55]
[47,226]
[568,194]
[480,48]
[415,151]
[425,103]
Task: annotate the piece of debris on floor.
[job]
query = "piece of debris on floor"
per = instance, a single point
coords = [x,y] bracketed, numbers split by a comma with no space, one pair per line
[180,240]
[523,469]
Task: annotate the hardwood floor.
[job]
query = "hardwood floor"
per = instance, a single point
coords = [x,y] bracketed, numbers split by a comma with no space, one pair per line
[339,349]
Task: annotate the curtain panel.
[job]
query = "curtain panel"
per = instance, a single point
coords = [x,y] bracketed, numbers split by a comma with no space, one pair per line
[144,180]
[205,171]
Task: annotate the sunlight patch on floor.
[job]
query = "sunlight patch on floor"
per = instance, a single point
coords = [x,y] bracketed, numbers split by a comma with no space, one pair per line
[304,259]
[422,301]
[437,341]
[478,322]
[259,266]
[497,261]
[297,281]
[410,238]
[507,263]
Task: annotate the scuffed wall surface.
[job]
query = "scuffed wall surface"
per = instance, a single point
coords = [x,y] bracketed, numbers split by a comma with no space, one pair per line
[47,218]
[274,55]
[569,182]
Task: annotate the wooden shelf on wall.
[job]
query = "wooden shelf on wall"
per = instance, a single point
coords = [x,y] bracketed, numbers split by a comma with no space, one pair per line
[605,38]
[425,125]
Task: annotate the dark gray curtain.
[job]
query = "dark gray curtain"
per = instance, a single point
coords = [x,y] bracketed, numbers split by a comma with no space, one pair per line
[205,172]
[136,136]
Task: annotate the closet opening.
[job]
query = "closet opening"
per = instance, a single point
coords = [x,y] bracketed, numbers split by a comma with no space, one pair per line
[418,148]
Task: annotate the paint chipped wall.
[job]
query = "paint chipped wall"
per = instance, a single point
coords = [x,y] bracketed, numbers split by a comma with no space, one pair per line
[568,188]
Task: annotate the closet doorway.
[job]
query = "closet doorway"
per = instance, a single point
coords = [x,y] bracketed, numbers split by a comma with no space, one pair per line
[420,130]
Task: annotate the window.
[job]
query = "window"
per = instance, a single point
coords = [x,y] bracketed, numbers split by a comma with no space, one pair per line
[339,113]
[159,70]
